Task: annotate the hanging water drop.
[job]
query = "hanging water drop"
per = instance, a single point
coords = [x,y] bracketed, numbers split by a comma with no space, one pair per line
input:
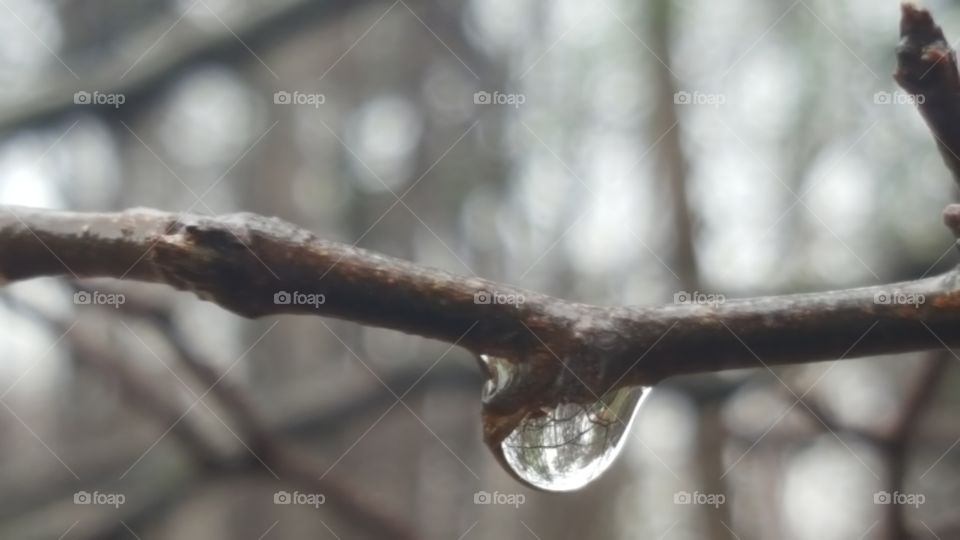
[562,448]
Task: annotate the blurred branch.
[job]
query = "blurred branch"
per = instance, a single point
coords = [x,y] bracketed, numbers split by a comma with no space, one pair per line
[274,453]
[824,417]
[256,436]
[894,440]
[268,452]
[155,401]
[664,133]
[674,169]
[48,500]
[898,437]
[180,48]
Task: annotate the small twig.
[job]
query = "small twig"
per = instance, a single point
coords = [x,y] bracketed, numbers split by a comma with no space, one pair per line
[280,456]
[256,435]
[899,436]
[951,218]
[144,394]
[295,467]
[919,396]
[182,49]
[269,448]
[824,419]
[894,440]
[927,68]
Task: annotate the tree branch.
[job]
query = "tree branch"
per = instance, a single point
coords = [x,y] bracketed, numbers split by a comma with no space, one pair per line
[927,68]
[241,261]
[563,352]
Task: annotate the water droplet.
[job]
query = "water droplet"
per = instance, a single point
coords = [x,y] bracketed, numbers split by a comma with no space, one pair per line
[562,448]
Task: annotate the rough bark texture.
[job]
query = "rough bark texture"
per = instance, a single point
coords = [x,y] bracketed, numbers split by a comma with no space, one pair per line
[566,351]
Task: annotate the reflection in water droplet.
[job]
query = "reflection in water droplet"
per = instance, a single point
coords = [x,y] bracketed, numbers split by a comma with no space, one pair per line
[500,372]
[567,447]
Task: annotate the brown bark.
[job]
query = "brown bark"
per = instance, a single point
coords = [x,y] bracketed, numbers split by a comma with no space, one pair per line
[927,68]
[241,261]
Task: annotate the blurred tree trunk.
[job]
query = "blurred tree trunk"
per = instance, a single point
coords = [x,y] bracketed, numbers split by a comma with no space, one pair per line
[674,168]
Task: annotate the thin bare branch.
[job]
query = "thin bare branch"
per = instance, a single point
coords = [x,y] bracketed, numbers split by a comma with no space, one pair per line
[257,266]
[180,48]
[927,68]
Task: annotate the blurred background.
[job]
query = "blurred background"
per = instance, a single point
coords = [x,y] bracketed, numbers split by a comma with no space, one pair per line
[611,152]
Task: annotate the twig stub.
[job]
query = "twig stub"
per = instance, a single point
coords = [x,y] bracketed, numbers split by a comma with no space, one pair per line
[927,68]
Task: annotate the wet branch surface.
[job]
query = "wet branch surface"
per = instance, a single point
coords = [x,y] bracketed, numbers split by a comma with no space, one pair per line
[567,352]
